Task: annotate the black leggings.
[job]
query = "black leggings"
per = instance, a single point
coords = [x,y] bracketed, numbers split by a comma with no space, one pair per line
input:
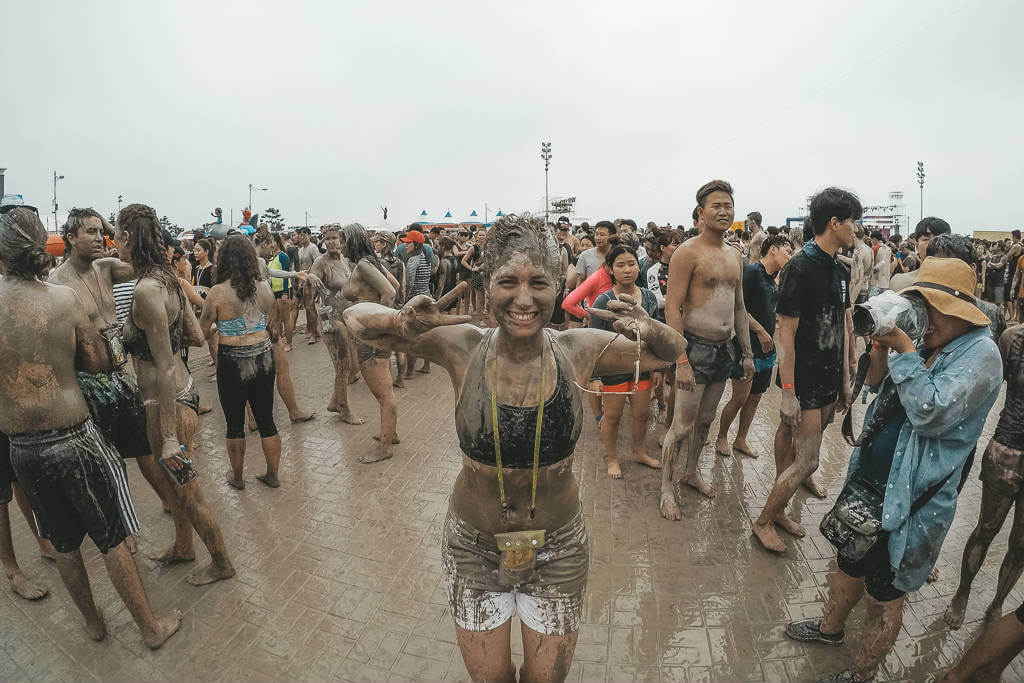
[245,374]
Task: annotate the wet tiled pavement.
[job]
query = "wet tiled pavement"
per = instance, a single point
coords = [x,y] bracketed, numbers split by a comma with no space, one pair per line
[339,570]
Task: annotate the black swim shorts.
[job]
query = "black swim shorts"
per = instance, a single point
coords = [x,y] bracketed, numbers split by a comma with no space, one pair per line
[76,485]
[876,571]
[711,361]
[116,408]
[6,471]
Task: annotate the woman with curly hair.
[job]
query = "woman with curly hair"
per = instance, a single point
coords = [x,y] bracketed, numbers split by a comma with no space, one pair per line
[159,323]
[242,306]
[514,539]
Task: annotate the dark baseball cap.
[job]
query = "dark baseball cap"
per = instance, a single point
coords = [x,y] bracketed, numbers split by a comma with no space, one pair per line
[563,219]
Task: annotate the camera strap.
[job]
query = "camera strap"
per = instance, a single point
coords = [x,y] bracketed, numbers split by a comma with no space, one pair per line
[863,365]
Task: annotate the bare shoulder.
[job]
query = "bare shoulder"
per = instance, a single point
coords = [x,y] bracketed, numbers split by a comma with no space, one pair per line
[59,275]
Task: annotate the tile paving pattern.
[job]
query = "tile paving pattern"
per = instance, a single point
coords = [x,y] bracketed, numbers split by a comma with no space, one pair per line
[339,569]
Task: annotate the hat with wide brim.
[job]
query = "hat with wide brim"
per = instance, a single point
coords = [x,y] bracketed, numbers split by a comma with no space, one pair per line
[948,285]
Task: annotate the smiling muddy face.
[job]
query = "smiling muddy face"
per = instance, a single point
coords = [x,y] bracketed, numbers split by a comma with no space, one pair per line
[520,267]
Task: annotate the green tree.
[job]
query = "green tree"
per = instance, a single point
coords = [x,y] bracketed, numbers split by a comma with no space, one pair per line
[272,217]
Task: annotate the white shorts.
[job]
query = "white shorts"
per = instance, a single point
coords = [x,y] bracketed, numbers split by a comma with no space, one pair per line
[477,610]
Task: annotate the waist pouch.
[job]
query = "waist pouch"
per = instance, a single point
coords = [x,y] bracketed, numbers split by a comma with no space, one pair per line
[854,523]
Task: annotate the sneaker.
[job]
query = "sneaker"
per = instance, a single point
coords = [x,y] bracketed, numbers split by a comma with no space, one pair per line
[844,676]
[807,631]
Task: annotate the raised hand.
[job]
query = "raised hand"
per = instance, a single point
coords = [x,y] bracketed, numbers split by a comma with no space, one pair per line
[627,317]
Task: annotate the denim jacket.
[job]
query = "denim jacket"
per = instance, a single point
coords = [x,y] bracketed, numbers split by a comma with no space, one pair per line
[946,406]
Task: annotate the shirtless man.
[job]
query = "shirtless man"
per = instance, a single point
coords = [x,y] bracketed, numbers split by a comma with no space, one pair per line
[815,321]
[334,271]
[307,255]
[704,302]
[757,235]
[881,271]
[112,396]
[72,477]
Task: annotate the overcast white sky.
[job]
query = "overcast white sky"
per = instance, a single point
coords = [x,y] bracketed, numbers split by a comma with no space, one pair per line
[340,107]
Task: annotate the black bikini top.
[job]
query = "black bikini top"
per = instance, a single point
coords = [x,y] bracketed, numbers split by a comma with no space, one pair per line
[135,340]
[560,429]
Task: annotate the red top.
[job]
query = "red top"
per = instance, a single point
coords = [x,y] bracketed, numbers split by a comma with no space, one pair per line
[594,286]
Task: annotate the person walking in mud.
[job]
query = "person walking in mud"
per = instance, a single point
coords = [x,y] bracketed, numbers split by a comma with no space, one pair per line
[159,322]
[369,281]
[704,302]
[1002,487]
[20,584]
[333,271]
[75,482]
[384,244]
[933,399]
[760,296]
[307,254]
[514,537]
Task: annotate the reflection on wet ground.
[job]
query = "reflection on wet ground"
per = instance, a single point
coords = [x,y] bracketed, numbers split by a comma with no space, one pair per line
[339,570]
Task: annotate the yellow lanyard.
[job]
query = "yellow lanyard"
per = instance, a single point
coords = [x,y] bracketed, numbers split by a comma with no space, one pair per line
[536,439]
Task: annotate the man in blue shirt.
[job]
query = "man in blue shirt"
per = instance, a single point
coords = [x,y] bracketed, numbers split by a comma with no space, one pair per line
[927,419]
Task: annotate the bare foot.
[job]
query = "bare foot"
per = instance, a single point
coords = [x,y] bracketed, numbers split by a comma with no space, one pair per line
[816,489]
[237,482]
[252,427]
[769,539]
[287,348]
[696,482]
[25,588]
[98,630]
[46,549]
[269,479]
[954,615]
[742,447]
[311,341]
[394,440]
[347,417]
[614,471]
[301,417]
[173,556]
[644,459]
[424,371]
[132,543]
[376,456]
[399,383]
[353,379]
[669,509]
[789,526]
[166,626]
[992,613]
[722,447]
[204,409]
[211,573]
[410,375]
[933,575]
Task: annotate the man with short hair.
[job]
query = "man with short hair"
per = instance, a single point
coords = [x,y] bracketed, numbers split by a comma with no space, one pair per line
[704,303]
[1014,254]
[927,229]
[757,234]
[881,270]
[814,328]
[305,256]
[74,480]
[592,259]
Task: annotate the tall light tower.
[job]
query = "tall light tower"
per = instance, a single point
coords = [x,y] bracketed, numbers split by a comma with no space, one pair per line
[251,189]
[920,182]
[120,198]
[55,179]
[545,154]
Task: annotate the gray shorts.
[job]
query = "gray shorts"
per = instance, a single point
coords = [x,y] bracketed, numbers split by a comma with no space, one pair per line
[552,604]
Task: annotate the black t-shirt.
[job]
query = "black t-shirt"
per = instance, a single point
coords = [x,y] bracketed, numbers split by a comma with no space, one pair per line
[760,296]
[815,287]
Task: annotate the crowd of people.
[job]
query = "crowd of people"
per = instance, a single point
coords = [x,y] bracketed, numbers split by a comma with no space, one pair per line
[531,321]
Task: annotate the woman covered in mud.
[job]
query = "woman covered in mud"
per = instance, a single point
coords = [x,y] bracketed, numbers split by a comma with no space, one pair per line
[159,323]
[242,306]
[370,281]
[514,537]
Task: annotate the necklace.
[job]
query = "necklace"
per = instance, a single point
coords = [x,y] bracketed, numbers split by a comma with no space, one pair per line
[99,308]
[536,439]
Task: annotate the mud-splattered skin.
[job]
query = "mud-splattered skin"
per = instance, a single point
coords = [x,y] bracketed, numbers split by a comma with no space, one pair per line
[45,335]
[222,303]
[520,288]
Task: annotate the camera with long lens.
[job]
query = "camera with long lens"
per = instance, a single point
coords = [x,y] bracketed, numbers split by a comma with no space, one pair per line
[886,310]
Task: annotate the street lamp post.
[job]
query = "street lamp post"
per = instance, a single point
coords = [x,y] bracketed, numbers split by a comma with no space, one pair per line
[55,179]
[545,154]
[251,189]
[120,198]
[2,171]
[920,182]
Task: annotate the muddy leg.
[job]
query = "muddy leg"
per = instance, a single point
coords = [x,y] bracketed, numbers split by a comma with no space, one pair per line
[595,401]
[285,387]
[488,654]
[881,626]
[747,413]
[377,373]
[994,508]
[183,549]
[994,649]
[19,583]
[707,405]
[155,477]
[640,406]
[740,391]
[806,444]
[272,454]
[125,577]
[844,592]
[609,428]
[546,658]
[45,547]
[76,580]
[337,345]
[686,405]
[1013,563]
[236,457]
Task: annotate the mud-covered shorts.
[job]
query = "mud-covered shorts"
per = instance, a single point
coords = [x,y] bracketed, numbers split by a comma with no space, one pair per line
[117,410]
[711,361]
[552,604]
[365,352]
[6,471]
[76,485]
[1002,469]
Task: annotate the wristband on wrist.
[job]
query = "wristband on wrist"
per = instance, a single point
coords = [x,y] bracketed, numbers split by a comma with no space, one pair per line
[682,360]
[787,385]
[879,346]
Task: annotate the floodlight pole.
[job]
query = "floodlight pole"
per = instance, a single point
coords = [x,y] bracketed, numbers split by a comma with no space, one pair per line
[55,179]
[920,182]
[545,154]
